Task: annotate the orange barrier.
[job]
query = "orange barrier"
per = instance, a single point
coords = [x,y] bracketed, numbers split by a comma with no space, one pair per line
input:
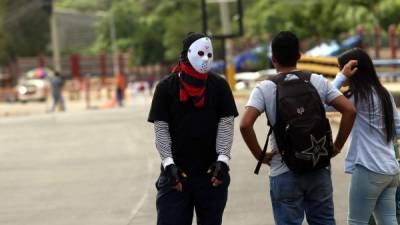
[321,65]
[319,59]
[320,69]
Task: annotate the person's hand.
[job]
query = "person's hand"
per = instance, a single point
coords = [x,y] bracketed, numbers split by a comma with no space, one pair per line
[350,68]
[268,157]
[174,174]
[220,173]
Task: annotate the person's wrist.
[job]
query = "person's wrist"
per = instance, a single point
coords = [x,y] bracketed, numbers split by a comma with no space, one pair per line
[260,155]
[343,75]
[167,161]
[223,158]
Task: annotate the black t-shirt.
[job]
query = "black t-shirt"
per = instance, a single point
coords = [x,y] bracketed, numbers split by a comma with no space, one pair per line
[193,130]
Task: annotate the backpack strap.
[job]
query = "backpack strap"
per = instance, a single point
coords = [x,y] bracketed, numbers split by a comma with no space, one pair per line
[306,76]
[279,78]
[263,152]
[260,161]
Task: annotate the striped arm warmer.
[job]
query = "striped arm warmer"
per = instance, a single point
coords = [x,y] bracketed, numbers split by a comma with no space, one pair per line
[223,142]
[225,138]
[163,142]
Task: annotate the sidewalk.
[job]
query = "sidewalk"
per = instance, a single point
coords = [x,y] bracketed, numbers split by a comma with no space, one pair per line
[35,108]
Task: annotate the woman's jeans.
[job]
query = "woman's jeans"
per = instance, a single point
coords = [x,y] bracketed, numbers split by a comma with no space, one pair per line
[372,193]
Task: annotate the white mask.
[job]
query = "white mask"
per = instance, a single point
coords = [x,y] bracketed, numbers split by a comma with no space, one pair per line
[200,55]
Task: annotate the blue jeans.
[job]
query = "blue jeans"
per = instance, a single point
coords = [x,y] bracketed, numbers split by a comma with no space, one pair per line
[372,193]
[58,99]
[294,195]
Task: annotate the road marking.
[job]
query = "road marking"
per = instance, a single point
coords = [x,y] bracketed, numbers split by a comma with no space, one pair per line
[142,200]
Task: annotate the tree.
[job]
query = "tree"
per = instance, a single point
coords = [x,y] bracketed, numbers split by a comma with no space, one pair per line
[24,29]
[135,30]
[152,29]
[83,5]
[373,12]
[306,18]
[389,12]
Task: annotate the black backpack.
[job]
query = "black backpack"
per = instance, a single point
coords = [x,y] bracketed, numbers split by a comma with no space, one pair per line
[302,131]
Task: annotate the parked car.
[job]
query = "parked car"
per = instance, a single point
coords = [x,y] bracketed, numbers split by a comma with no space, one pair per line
[34,85]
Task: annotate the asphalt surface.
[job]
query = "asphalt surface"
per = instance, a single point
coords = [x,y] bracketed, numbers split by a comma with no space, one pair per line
[99,167]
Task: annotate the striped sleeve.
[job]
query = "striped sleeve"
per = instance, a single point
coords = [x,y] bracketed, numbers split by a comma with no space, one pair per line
[163,142]
[225,138]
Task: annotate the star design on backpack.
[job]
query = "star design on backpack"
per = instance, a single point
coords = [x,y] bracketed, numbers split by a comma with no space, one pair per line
[316,150]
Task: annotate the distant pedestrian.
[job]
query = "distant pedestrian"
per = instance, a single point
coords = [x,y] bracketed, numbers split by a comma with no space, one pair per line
[371,158]
[57,84]
[120,91]
[151,81]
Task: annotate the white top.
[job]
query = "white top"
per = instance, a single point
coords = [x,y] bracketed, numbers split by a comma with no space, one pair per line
[368,146]
[263,98]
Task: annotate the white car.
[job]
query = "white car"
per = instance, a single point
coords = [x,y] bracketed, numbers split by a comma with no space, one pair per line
[33,89]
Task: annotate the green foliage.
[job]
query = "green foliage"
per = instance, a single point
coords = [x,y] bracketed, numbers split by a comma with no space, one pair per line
[181,17]
[152,30]
[24,29]
[389,12]
[82,5]
[306,18]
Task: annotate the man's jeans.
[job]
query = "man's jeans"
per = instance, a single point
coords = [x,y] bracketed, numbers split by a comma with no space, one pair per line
[295,194]
[58,99]
[372,193]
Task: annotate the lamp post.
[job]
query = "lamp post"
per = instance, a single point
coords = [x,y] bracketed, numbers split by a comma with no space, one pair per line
[227,35]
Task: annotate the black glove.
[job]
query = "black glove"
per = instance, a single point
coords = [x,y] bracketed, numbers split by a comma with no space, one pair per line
[219,170]
[174,174]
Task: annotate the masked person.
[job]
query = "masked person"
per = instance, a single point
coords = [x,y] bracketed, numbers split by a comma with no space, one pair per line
[193,113]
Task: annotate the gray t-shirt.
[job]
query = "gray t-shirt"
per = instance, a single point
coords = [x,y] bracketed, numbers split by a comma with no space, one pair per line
[263,98]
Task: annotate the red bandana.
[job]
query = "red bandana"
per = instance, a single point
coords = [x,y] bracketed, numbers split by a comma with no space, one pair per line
[192,84]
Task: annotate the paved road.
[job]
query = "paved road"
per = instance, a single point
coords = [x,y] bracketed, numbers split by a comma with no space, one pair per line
[99,168]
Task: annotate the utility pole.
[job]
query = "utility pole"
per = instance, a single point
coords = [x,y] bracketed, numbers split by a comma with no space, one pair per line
[227,34]
[47,6]
[114,46]
[55,43]
[227,30]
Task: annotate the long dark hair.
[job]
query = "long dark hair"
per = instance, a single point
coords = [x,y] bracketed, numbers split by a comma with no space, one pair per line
[364,82]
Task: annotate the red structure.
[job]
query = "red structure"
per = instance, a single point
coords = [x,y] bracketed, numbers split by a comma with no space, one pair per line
[75,66]
[103,68]
[393,40]
[121,64]
[377,33]
[41,62]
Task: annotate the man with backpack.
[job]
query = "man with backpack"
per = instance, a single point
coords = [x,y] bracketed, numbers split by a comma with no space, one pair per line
[301,139]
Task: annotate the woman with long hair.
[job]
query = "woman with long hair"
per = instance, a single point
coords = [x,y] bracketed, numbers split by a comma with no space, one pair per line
[371,158]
